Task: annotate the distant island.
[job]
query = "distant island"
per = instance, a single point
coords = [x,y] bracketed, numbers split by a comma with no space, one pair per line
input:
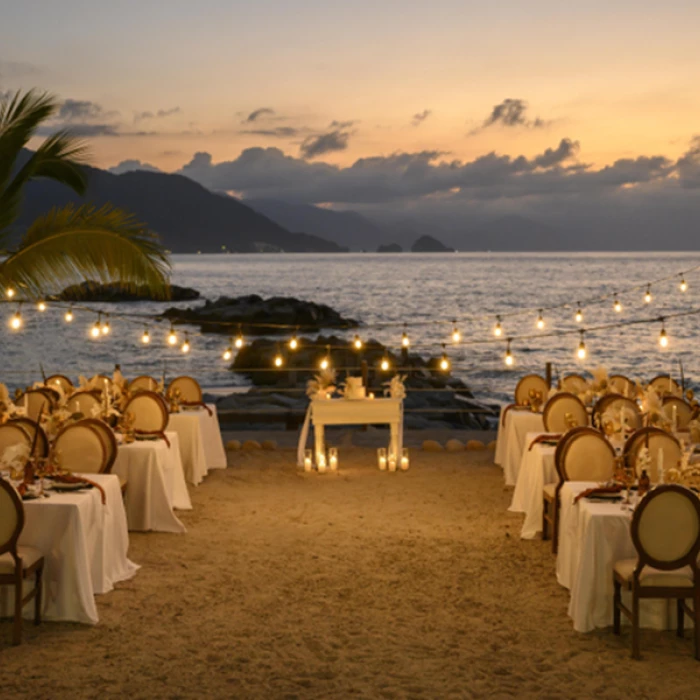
[428,244]
[390,248]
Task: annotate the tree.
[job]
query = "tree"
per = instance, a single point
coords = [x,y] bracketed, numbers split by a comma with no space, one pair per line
[72,244]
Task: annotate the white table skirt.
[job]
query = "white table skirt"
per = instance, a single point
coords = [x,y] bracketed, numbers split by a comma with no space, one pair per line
[592,537]
[211,438]
[156,484]
[85,548]
[536,470]
[187,425]
[510,442]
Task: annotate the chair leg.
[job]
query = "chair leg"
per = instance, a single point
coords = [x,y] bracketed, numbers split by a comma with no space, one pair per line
[38,596]
[635,625]
[545,512]
[555,526]
[17,630]
[617,599]
[680,626]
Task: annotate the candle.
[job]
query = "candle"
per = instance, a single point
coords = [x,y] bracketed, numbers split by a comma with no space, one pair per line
[308,461]
[392,464]
[333,458]
[381,457]
[371,394]
[674,417]
[321,463]
[660,465]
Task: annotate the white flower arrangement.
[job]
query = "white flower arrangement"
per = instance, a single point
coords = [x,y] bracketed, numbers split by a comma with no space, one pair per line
[395,387]
[321,385]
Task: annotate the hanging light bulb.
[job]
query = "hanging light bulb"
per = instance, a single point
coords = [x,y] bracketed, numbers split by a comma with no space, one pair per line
[105,327]
[385,364]
[647,295]
[579,314]
[69,315]
[509,359]
[16,321]
[239,342]
[279,360]
[405,342]
[228,353]
[683,286]
[497,329]
[540,321]
[325,363]
[41,306]
[186,345]
[617,305]
[294,342]
[172,336]
[444,360]
[96,330]
[10,292]
[456,335]
[357,343]
[146,337]
[581,352]
[663,337]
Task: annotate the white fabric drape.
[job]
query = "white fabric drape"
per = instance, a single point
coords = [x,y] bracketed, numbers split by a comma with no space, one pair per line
[510,442]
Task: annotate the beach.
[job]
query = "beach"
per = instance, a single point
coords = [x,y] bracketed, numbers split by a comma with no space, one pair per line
[361,583]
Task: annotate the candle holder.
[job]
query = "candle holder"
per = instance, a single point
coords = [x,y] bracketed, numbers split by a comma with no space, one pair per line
[381,458]
[333,458]
[392,463]
[404,459]
[321,462]
[308,460]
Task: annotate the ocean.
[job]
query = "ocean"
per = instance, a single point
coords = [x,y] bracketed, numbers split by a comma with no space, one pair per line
[426,291]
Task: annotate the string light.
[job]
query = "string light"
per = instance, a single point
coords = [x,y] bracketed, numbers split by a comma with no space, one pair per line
[385,364]
[10,292]
[16,320]
[172,336]
[239,342]
[68,316]
[228,353]
[497,329]
[663,337]
[325,363]
[579,315]
[96,330]
[444,360]
[617,305]
[647,296]
[456,335]
[294,342]
[41,306]
[683,285]
[405,342]
[581,352]
[357,343]
[509,359]
[105,327]
[186,345]
[146,337]
[540,321]
[279,360]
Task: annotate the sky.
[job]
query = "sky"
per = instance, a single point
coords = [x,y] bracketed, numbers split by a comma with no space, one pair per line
[369,103]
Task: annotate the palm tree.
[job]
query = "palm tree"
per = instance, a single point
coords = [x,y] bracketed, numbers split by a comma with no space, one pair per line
[72,244]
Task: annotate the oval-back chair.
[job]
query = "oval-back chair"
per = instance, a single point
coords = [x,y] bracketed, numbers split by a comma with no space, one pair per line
[36,402]
[80,448]
[86,402]
[622,385]
[684,411]
[12,434]
[109,441]
[665,385]
[573,383]
[563,412]
[526,384]
[654,439]
[150,413]
[616,403]
[143,383]
[61,381]
[31,428]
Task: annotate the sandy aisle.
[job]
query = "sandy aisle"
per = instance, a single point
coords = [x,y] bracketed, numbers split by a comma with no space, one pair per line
[363,584]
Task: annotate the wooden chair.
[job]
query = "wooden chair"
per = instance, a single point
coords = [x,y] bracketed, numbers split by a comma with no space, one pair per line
[528,382]
[583,454]
[80,448]
[684,411]
[37,402]
[85,402]
[573,383]
[666,534]
[622,385]
[143,383]
[665,385]
[150,413]
[654,439]
[18,563]
[60,380]
[31,428]
[556,409]
[615,403]
[12,434]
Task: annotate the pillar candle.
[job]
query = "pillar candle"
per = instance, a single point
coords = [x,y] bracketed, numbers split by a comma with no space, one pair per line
[660,465]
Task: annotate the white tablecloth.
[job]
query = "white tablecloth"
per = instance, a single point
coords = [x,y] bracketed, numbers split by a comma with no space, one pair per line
[187,425]
[536,470]
[592,537]
[85,548]
[510,441]
[214,450]
[155,484]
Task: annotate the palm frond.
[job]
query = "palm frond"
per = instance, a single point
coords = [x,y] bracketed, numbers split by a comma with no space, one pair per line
[71,245]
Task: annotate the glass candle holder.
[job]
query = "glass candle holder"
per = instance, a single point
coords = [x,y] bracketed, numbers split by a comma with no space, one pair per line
[404,459]
[333,458]
[308,460]
[381,457]
[392,463]
[321,462]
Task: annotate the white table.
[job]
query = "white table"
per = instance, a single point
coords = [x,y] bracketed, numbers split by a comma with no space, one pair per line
[323,412]
[536,470]
[85,546]
[214,449]
[155,484]
[510,441]
[592,537]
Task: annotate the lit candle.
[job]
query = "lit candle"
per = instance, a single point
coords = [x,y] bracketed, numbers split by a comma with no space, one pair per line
[333,458]
[321,462]
[404,459]
[371,394]
[308,461]
[381,457]
[674,417]
[660,465]
[392,464]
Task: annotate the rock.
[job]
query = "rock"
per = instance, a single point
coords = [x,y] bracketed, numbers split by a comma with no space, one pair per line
[390,248]
[258,316]
[475,445]
[233,445]
[112,293]
[269,445]
[491,445]
[432,446]
[250,445]
[428,244]
[454,446]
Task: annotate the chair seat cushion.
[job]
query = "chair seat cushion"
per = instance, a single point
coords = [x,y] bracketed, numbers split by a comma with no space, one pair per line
[678,578]
[28,555]
[550,490]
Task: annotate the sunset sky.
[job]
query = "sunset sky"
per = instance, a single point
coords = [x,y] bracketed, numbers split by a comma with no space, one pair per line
[330,83]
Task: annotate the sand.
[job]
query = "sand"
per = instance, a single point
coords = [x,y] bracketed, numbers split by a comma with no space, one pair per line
[361,584]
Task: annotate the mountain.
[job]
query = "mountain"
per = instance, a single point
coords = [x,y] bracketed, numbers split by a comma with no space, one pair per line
[428,244]
[188,217]
[346,228]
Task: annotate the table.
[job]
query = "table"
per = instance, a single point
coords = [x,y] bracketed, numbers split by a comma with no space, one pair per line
[536,470]
[510,441]
[592,537]
[155,484]
[85,548]
[323,412]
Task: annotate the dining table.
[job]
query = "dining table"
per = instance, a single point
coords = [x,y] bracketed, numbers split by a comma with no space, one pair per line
[85,545]
[514,424]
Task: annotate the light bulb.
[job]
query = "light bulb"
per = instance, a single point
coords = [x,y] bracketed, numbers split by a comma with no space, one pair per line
[325,364]
[146,337]
[509,359]
[581,352]
[96,330]
[105,328]
[68,316]
[647,296]
[41,306]
[497,329]
[172,337]
[540,321]
[10,292]
[278,360]
[16,321]
[683,285]
[293,343]
[186,345]
[456,335]
[228,354]
[385,364]
[239,342]
[663,338]
[617,305]
[357,343]
[405,342]
[579,316]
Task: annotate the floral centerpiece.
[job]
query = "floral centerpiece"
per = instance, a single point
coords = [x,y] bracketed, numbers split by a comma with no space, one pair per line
[322,386]
[395,387]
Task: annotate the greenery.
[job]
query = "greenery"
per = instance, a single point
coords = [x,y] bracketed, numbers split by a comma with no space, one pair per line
[71,244]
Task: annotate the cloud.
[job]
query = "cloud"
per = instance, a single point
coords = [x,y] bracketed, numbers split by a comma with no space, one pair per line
[261,112]
[511,113]
[553,156]
[83,110]
[80,130]
[420,117]
[128,166]
[336,140]
[160,114]
[282,132]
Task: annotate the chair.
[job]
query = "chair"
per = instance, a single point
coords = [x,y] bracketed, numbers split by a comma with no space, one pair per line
[583,454]
[31,428]
[60,380]
[684,411]
[109,441]
[18,563]
[654,439]
[150,413]
[664,385]
[622,385]
[37,402]
[86,402]
[574,383]
[556,409]
[666,534]
[12,434]
[615,403]
[524,386]
[144,382]
[80,448]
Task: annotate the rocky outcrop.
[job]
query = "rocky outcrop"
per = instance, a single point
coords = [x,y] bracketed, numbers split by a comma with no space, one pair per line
[390,248]
[428,244]
[258,316]
[95,291]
